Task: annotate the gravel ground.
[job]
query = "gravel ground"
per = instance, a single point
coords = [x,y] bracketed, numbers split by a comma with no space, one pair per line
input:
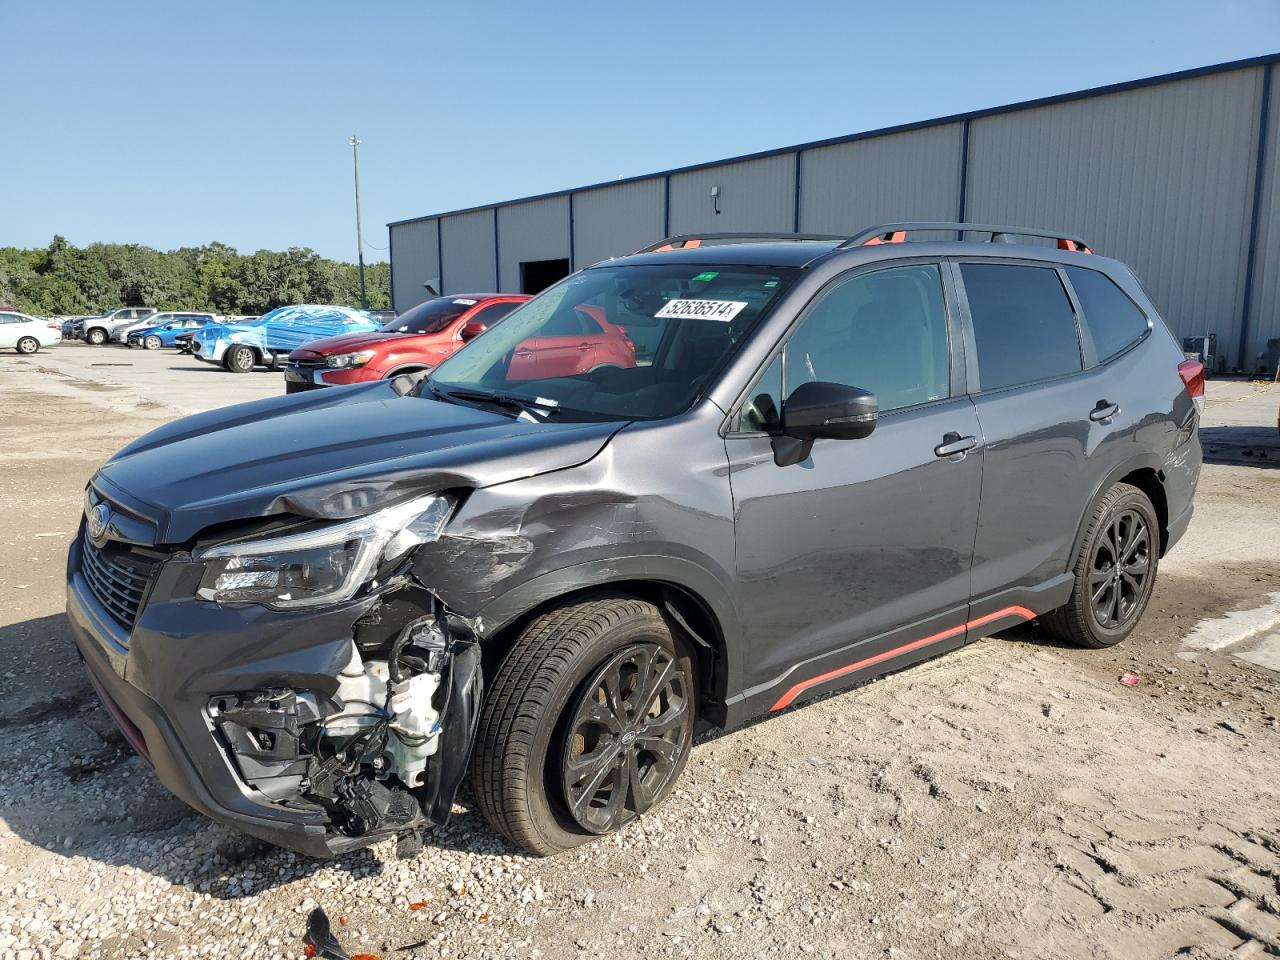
[1011,799]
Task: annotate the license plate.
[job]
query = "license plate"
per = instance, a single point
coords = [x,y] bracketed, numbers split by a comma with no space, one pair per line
[297,376]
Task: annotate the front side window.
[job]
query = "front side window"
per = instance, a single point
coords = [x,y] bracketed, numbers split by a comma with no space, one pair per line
[1023,324]
[885,332]
[1112,319]
[761,411]
[575,349]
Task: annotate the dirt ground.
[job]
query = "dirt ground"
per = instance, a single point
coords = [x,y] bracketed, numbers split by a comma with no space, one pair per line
[1012,799]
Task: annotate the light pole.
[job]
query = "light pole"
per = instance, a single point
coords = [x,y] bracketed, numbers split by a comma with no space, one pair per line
[355,165]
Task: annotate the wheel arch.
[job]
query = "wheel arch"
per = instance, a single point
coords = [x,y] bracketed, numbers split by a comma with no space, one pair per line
[687,608]
[1146,474]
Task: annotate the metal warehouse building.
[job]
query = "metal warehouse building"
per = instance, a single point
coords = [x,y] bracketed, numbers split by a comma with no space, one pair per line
[1176,175]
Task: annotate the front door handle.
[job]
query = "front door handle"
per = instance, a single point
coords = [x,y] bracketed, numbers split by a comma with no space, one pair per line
[953,443]
[1104,411]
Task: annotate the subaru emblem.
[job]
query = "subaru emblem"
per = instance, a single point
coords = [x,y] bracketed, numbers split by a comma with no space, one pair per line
[97,521]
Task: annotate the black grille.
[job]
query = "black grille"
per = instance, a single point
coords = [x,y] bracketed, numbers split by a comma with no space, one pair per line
[118,578]
[308,364]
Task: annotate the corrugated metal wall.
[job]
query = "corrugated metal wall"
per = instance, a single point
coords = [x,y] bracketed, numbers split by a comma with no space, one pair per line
[1264,315]
[1160,177]
[531,231]
[754,195]
[469,253]
[415,259]
[615,221]
[902,176]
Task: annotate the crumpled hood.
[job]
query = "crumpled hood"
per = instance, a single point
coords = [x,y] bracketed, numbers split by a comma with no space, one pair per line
[334,453]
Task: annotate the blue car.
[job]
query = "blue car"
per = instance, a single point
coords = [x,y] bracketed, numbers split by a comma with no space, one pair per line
[239,347]
[166,328]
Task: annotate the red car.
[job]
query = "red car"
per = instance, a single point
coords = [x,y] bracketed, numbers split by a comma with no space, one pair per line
[570,343]
[416,340]
[421,337]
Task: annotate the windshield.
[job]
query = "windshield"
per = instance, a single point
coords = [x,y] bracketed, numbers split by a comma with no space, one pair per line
[617,342]
[433,316]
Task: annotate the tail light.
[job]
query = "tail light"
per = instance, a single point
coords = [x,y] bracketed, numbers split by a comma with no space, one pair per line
[1192,374]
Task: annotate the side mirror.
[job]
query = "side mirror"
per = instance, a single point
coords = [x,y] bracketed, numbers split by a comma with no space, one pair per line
[472,329]
[818,411]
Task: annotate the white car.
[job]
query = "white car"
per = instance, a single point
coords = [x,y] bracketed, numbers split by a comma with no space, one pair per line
[26,334]
[98,330]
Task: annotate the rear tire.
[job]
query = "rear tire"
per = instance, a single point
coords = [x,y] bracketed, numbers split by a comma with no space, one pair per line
[1108,597]
[28,345]
[566,750]
[240,359]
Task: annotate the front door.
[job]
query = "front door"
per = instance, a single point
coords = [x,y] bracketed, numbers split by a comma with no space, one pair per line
[860,556]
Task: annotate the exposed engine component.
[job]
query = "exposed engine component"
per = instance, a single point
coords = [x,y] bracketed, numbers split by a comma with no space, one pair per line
[372,693]
[387,751]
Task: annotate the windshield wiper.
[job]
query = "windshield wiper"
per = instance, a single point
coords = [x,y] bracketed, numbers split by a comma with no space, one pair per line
[518,404]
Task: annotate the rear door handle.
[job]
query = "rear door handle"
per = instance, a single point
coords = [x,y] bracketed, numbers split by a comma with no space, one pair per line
[953,443]
[1104,411]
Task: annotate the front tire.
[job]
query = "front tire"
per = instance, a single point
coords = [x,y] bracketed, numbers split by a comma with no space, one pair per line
[240,359]
[1114,573]
[152,343]
[28,345]
[97,336]
[587,724]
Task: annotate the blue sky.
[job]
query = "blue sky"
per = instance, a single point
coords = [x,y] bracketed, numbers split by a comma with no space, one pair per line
[175,123]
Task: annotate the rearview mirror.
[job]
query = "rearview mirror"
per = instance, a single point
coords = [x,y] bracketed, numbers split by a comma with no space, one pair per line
[818,411]
[472,329]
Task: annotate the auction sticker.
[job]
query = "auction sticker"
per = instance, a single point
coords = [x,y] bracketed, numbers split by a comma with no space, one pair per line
[723,310]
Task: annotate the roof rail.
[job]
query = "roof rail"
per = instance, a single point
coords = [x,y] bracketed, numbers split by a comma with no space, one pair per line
[897,233]
[691,241]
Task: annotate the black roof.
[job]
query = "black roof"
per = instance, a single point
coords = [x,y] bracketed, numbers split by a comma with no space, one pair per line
[781,254]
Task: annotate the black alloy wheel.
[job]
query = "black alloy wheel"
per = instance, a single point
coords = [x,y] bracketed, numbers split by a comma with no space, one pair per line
[1118,571]
[1114,571]
[626,739]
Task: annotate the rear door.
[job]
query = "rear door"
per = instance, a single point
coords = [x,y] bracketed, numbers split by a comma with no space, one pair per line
[1040,412]
[860,555]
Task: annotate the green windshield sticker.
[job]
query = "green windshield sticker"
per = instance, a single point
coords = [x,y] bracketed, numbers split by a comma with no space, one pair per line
[770,283]
[708,276]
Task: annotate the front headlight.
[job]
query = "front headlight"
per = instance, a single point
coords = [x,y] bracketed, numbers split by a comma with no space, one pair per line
[342,360]
[328,565]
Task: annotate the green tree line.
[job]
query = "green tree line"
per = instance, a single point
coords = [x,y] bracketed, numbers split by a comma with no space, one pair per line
[63,279]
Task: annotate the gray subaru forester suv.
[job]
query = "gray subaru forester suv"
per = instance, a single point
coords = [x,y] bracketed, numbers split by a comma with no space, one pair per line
[827,459]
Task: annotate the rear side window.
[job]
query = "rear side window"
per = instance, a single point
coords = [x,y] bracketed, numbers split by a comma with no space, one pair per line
[1112,319]
[1023,324]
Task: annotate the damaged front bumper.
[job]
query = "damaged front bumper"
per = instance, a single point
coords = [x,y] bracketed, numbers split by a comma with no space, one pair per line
[228,706]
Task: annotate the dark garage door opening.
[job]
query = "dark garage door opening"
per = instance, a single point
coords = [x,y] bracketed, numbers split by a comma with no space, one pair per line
[537,275]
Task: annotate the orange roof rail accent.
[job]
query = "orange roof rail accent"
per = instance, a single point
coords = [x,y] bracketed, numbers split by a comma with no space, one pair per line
[678,245]
[996,233]
[895,236]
